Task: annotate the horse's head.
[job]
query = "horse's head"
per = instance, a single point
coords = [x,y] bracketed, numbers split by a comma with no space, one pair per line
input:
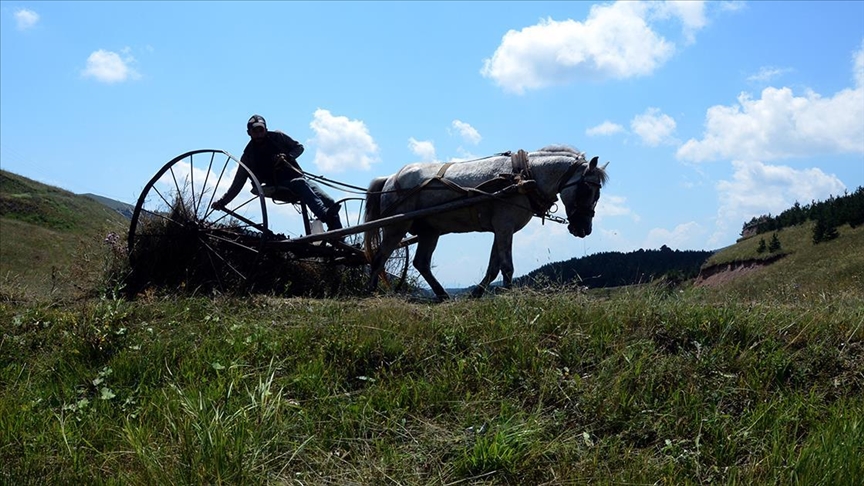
[579,193]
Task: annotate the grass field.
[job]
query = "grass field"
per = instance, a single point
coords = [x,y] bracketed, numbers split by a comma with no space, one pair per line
[646,387]
[758,380]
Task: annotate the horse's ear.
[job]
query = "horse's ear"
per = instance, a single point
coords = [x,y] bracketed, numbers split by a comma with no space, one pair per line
[593,162]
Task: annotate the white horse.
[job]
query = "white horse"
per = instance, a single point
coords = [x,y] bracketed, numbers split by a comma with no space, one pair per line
[507,189]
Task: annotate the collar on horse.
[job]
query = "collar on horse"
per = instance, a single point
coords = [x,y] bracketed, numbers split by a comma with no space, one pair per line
[540,203]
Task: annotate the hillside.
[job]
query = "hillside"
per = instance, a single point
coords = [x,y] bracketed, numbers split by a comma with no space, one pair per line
[799,266]
[49,236]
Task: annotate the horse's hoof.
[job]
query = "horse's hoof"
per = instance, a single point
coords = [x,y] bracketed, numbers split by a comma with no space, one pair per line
[477,292]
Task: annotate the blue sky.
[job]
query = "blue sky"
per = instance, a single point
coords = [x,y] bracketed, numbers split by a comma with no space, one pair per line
[709,113]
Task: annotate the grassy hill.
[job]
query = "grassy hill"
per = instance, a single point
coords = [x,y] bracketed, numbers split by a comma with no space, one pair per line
[643,387]
[49,237]
[799,268]
[756,379]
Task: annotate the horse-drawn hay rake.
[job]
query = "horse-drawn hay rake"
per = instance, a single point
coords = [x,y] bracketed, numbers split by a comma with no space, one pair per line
[174,231]
[177,237]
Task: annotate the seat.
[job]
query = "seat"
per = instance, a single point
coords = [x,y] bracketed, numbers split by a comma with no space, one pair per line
[278,193]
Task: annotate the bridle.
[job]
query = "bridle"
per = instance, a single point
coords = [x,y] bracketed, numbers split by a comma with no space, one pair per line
[564,182]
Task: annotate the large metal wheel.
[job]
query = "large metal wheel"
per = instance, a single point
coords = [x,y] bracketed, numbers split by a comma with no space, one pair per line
[176,238]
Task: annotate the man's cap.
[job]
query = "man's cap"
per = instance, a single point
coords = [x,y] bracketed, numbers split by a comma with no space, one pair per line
[256,121]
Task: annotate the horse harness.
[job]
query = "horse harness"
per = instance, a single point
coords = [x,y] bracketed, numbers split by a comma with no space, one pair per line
[520,180]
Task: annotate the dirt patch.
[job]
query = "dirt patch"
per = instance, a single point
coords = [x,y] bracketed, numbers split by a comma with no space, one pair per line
[717,275]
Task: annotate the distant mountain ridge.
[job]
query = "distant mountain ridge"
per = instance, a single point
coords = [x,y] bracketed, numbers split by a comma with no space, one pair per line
[121,207]
[614,269]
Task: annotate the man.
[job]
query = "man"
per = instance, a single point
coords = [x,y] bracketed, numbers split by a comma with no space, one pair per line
[272,157]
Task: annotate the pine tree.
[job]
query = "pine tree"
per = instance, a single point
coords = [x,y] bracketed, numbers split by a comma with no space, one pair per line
[762,246]
[831,233]
[774,245]
[819,231]
[824,230]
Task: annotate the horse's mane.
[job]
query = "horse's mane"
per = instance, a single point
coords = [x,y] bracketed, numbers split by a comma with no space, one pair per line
[561,148]
[566,149]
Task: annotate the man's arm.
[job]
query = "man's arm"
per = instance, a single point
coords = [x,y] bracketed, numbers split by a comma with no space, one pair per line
[289,146]
[236,186]
[291,149]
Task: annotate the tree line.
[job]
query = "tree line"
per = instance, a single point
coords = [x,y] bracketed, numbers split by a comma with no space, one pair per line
[828,214]
[612,269]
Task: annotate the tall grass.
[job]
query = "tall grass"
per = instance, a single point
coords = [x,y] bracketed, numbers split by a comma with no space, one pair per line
[644,386]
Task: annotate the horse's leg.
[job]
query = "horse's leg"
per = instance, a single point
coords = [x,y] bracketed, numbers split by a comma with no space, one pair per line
[392,238]
[423,263]
[491,271]
[504,244]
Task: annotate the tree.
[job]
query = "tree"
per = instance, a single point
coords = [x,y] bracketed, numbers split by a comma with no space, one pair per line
[774,245]
[831,232]
[819,231]
[762,246]
[823,230]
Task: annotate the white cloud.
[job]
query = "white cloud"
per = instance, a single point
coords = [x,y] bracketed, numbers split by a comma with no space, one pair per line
[611,206]
[25,19]
[691,14]
[463,156]
[858,66]
[732,5]
[616,41]
[781,125]
[757,189]
[654,127]
[342,144]
[424,149]
[685,236]
[767,73]
[109,67]
[467,132]
[603,129]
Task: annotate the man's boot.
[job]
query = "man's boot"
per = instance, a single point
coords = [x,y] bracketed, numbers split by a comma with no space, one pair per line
[333,222]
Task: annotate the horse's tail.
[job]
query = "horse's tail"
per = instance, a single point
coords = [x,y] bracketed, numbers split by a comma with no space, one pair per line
[372,237]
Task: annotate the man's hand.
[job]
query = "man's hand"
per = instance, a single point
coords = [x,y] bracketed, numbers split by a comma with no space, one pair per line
[279,159]
[218,205]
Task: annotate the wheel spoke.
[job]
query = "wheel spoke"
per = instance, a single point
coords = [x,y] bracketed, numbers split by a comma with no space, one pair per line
[206,179]
[226,262]
[235,209]
[208,210]
[233,242]
[192,183]
[180,200]
[161,216]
